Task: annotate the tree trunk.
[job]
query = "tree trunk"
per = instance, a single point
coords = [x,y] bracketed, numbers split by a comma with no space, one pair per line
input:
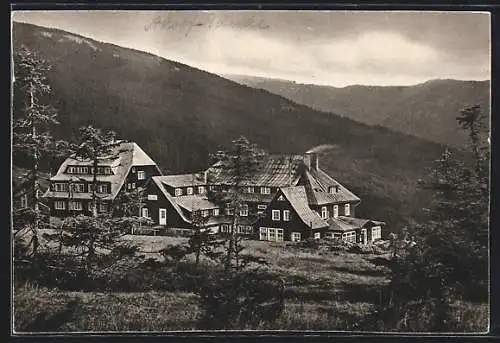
[36,186]
[94,187]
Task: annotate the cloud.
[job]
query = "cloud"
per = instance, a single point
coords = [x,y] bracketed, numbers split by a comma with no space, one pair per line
[326,47]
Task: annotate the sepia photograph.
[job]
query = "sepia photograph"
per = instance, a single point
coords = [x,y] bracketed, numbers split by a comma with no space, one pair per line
[250,170]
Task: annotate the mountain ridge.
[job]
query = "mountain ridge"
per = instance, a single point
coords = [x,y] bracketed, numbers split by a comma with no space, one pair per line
[179,115]
[426,110]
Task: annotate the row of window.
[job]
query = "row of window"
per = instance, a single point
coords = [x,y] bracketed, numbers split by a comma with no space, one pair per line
[276,215]
[202,190]
[88,170]
[190,191]
[263,190]
[214,212]
[351,235]
[243,229]
[77,206]
[271,234]
[325,212]
[79,187]
[333,189]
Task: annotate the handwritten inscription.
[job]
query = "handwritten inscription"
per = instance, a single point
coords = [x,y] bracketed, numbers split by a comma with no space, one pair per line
[170,23]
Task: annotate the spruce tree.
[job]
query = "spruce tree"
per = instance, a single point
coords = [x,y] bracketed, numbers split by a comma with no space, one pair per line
[31,129]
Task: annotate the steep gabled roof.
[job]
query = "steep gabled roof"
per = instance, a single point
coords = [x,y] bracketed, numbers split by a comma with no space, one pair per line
[337,224]
[297,197]
[276,171]
[342,223]
[359,222]
[121,162]
[157,181]
[183,180]
[140,158]
[317,184]
[194,202]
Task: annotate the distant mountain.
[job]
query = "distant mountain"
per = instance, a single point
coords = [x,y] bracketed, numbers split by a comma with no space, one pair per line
[426,110]
[179,114]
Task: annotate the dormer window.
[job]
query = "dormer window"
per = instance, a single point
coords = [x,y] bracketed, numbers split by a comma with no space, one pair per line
[60,187]
[201,190]
[77,187]
[178,192]
[265,190]
[190,191]
[71,170]
[333,189]
[250,190]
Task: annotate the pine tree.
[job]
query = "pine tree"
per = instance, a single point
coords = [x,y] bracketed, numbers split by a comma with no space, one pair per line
[100,232]
[238,296]
[31,130]
[235,166]
[448,259]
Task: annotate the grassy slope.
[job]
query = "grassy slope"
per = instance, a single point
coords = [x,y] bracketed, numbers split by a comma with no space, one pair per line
[427,110]
[179,115]
[329,291]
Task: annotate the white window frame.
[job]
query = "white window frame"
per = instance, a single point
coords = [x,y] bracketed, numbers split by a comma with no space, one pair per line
[178,192]
[152,197]
[75,205]
[189,191]
[70,170]
[263,233]
[335,211]
[250,189]
[60,205]
[265,190]
[286,215]
[324,212]
[275,215]
[145,212]
[279,235]
[215,211]
[60,187]
[77,187]
[296,236]
[224,228]
[347,209]
[317,235]
[271,234]
[201,190]
[244,210]
[261,207]
[205,213]
[249,229]
[141,175]
[103,188]
[376,233]
[349,236]
[133,185]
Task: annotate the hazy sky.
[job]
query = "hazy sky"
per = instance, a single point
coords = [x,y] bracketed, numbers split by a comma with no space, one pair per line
[336,48]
